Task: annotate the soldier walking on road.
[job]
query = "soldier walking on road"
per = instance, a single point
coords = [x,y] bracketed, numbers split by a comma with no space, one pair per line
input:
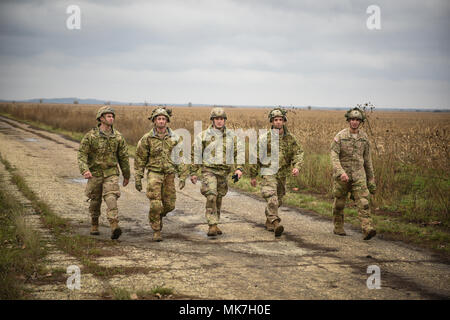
[101,150]
[273,186]
[353,173]
[154,153]
[215,168]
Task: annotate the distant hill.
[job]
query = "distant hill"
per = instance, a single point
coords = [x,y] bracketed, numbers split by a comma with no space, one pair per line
[69,100]
[97,101]
[90,101]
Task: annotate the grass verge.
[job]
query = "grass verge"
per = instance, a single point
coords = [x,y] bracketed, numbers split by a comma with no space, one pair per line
[21,249]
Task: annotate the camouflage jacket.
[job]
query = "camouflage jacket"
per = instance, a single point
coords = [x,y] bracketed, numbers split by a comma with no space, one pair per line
[204,152]
[101,153]
[290,154]
[154,153]
[352,156]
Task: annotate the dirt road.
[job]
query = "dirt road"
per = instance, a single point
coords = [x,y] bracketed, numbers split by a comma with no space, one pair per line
[246,262]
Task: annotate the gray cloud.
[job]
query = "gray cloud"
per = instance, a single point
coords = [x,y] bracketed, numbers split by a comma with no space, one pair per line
[175,50]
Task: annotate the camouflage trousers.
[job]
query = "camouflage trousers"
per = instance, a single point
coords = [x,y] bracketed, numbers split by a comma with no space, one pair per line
[214,188]
[273,189]
[108,188]
[162,195]
[360,193]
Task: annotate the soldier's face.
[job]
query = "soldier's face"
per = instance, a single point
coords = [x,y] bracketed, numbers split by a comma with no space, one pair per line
[160,121]
[354,123]
[107,119]
[219,122]
[278,122]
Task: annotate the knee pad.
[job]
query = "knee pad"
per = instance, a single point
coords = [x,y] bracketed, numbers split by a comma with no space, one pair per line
[156,207]
[111,201]
[273,203]
[364,203]
[267,193]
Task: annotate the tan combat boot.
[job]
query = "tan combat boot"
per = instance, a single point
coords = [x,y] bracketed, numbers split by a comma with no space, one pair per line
[269,225]
[369,234]
[212,230]
[157,236]
[278,228]
[338,221]
[115,230]
[219,232]
[94,227]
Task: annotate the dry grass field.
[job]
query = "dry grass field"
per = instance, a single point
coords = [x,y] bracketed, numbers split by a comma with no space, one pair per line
[410,150]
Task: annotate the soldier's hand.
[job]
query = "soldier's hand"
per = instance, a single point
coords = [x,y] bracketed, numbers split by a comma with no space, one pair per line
[239,173]
[125,182]
[295,172]
[138,185]
[87,175]
[181,184]
[344,177]
[194,179]
[253,182]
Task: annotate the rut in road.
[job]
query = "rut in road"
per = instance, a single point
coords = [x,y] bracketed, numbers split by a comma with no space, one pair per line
[246,262]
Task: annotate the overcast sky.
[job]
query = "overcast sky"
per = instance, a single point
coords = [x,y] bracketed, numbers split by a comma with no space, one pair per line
[263,52]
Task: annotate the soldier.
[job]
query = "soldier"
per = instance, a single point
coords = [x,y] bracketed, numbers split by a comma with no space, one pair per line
[215,171]
[154,153]
[353,173]
[101,149]
[273,186]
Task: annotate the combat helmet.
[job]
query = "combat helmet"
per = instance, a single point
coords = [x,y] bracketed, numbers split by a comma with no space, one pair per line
[217,112]
[103,110]
[161,112]
[355,113]
[277,112]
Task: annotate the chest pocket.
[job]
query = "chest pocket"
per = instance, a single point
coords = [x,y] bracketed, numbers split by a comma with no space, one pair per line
[346,147]
[210,146]
[112,146]
[101,146]
[155,147]
[359,145]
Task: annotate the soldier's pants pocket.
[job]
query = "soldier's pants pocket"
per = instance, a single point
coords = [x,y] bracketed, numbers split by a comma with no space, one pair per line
[94,188]
[340,189]
[209,184]
[268,186]
[111,186]
[154,185]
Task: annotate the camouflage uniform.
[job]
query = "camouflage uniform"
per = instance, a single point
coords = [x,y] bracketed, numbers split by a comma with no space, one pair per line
[350,154]
[100,153]
[273,186]
[153,153]
[214,175]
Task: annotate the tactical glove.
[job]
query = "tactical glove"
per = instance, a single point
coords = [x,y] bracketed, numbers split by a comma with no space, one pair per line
[138,185]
